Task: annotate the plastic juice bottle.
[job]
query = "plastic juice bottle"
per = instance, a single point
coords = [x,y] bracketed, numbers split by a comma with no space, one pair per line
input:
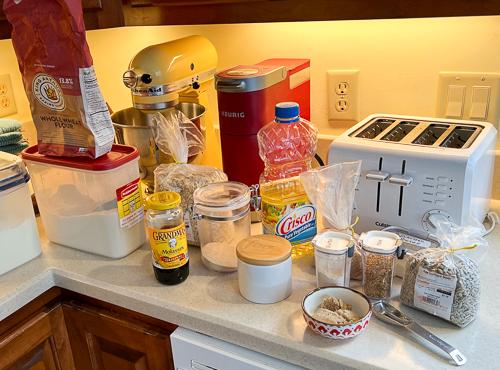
[287,146]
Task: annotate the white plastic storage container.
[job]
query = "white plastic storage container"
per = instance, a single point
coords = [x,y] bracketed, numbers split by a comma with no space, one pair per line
[19,241]
[91,205]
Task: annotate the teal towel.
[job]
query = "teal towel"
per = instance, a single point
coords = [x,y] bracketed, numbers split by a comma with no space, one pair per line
[10,138]
[15,148]
[9,125]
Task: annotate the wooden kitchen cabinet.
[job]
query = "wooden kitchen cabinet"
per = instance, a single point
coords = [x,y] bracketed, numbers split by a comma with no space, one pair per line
[63,330]
[105,341]
[40,343]
[149,12]
[96,13]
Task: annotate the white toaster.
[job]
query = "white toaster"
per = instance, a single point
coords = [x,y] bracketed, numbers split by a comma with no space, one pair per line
[415,167]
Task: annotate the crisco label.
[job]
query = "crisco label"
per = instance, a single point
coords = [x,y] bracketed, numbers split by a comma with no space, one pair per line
[295,222]
[169,247]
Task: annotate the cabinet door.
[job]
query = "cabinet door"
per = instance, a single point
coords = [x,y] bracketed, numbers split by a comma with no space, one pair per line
[38,344]
[102,340]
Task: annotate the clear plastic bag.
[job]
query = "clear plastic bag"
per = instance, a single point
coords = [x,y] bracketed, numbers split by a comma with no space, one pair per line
[331,189]
[185,179]
[177,136]
[180,138]
[445,282]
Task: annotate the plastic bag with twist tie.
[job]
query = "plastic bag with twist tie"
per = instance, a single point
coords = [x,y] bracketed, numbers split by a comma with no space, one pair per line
[445,281]
[180,138]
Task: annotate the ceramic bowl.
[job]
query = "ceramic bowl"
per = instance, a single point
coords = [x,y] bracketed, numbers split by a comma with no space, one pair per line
[360,305]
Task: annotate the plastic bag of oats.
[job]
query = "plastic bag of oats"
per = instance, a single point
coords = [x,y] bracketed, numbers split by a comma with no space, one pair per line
[445,281]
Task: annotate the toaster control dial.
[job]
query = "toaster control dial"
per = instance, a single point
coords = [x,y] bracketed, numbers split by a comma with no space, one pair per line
[427,220]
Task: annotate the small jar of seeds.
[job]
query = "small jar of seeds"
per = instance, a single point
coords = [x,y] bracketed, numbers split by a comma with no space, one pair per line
[379,251]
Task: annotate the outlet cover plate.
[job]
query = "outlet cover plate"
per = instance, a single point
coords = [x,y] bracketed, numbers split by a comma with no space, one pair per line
[7,102]
[469,80]
[343,86]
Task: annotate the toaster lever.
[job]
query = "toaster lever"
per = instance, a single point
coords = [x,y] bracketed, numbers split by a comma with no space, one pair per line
[379,176]
[401,180]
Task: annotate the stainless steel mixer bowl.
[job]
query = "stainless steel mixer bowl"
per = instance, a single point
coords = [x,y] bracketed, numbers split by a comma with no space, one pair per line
[135,127]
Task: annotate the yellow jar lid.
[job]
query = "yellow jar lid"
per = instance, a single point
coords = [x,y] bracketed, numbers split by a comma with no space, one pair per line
[163,200]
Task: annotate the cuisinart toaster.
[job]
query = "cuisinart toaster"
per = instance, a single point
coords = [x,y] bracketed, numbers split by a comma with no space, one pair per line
[413,168]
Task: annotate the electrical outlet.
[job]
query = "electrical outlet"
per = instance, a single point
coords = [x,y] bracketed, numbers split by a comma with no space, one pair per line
[469,95]
[7,102]
[343,95]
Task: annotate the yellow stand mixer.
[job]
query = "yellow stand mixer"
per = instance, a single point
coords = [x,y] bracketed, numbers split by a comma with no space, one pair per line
[174,75]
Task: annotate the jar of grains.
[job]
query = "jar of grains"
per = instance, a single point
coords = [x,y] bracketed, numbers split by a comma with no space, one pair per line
[223,214]
[379,251]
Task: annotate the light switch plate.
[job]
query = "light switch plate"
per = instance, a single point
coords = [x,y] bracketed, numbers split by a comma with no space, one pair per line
[470,109]
[7,102]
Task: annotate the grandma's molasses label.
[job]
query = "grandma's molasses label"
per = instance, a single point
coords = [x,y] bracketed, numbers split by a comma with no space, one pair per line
[169,247]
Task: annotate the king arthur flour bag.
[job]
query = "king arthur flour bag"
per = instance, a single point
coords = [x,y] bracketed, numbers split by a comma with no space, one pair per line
[69,112]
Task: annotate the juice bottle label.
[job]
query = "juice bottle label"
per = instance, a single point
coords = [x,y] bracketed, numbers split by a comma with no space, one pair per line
[169,246]
[295,221]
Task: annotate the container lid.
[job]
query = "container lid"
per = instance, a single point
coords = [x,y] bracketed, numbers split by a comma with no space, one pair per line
[163,200]
[119,155]
[333,242]
[380,241]
[287,110]
[263,250]
[222,196]
[12,171]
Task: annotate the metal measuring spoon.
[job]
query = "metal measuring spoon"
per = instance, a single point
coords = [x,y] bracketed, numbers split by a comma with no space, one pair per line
[388,313]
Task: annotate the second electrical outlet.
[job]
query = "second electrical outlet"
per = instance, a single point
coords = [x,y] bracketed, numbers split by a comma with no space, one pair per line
[343,92]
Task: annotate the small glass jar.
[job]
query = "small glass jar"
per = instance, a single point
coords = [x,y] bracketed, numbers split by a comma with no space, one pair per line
[223,213]
[167,237]
[333,253]
[379,252]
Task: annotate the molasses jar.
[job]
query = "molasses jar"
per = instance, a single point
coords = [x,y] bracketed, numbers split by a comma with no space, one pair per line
[167,237]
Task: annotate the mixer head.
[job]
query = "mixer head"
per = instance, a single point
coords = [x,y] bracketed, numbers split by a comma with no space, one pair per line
[158,73]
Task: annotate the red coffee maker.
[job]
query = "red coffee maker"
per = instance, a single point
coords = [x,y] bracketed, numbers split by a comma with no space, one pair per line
[246,97]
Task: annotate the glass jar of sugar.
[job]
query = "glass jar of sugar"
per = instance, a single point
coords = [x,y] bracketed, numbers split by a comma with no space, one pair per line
[223,213]
[333,252]
[379,252]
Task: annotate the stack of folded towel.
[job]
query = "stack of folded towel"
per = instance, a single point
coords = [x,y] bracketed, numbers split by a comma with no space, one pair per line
[11,138]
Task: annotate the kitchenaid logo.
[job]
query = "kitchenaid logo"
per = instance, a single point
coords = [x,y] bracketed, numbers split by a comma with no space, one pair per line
[297,222]
[381,224]
[226,114]
[48,92]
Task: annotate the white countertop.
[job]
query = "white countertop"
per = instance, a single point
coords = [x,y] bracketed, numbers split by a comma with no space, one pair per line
[210,303]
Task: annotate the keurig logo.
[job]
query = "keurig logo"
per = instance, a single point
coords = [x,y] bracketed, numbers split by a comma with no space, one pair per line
[232,114]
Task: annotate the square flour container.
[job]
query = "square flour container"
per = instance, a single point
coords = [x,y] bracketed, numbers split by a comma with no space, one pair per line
[19,241]
[93,205]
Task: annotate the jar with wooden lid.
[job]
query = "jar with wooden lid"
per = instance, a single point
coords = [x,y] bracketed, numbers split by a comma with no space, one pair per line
[264,268]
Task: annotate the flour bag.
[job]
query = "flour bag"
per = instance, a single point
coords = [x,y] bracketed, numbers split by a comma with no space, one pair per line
[69,112]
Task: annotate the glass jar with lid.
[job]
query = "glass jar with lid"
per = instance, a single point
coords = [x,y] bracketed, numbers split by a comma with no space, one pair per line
[333,253]
[223,213]
[167,237]
[379,252]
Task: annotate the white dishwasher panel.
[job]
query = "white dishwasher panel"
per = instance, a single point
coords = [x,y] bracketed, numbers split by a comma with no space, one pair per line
[195,351]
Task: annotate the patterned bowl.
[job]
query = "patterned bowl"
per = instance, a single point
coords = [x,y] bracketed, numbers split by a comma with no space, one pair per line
[360,305]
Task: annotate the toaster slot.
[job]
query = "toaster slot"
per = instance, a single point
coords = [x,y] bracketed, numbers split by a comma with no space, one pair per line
[402,129]
[460,137]
[431,134]
[374,128]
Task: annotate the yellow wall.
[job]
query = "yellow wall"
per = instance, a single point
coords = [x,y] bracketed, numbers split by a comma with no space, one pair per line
[399,60]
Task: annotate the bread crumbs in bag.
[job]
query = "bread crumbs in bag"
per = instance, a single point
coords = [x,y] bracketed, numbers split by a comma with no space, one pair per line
[69,112]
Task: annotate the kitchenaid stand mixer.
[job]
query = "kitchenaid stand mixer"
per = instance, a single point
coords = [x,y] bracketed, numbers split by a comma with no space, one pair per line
[172,75]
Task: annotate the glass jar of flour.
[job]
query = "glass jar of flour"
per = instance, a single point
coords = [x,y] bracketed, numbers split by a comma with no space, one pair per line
[223,213]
